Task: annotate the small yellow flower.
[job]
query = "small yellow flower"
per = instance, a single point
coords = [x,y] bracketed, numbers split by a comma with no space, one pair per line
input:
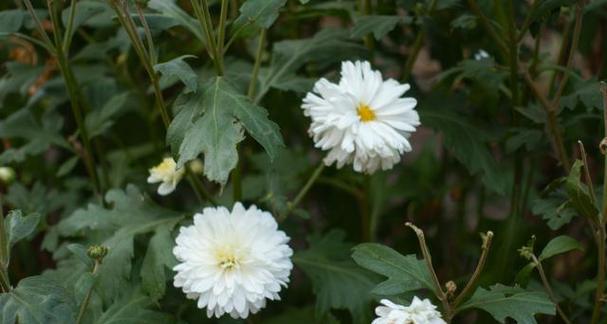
[167,173]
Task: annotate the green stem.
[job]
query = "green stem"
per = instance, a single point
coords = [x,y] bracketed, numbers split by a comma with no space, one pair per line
[76,100]
[69,29]
[549,290]
[417,45]
[487,238]
[552,127]
[601,235]
[438,290]
[304,190]
[237,179]
[4,254]
[256,67]
[489,27]
[577,29]
[87,297]
[206,29]
[39,28]
[223,15]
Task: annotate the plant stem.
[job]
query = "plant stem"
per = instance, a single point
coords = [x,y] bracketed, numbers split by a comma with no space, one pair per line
[487,25]
[256,67]
[87,297]
[223,15]
[74,95]
[587,172]
[206,29]
[304,190]
[5,285]
[548,288]
[551,125]
[417,45]
[577,29]
[67,36]
[438,290]
[601,235]
[487,238]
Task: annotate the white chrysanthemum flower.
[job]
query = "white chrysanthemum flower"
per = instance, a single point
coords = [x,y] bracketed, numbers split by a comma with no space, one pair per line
[362,120]
[167,173]
[231,262]
[419,312]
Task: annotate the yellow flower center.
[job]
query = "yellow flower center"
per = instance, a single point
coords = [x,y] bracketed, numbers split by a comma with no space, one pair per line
[228,259]
[365,113]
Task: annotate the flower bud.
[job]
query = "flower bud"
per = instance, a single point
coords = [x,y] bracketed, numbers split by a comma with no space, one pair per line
[196,166]
[7,175]
[97,252]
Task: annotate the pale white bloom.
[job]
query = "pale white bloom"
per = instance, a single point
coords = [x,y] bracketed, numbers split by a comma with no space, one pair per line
[232,262]
[363,120]
[481,54]
[167,173]
[419,312]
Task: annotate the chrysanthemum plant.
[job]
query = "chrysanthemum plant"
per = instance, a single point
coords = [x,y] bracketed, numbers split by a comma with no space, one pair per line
[262,161]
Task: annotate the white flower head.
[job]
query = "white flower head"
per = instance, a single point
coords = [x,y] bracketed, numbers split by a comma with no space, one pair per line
[7,175]
[419,312]
[167,173]
[232,262]
[481,55]
[363,120]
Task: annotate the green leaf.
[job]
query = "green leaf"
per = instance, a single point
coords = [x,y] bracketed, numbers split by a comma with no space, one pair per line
[327,46]
[11,20]
[131,214]
[178,68]
[504,302]
[579,197]
[586,92]
[40,135]
[157,258]
[169,8]
[544,7]
[218,131]
[337,281]
[261,13]
[558,245]
[19,227]
[380,26]
[133,309]
[68,166]
[467,143]
[404,273]
[37,300]
[85,11]
[556,211]
[99,121]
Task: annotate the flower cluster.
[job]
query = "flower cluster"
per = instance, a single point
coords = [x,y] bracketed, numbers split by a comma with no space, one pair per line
[362,120]
[419,312]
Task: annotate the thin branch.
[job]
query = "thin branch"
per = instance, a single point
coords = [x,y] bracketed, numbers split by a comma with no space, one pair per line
[487,238]
[551,123]
[548,289]
[438,290]
[587,172]
[304,190]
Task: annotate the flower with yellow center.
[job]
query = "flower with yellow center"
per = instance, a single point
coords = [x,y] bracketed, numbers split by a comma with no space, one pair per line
[232,262]
[167,173]
[362,120]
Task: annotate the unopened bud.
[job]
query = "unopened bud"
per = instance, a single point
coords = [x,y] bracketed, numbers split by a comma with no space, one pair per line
[196,166]
[97,252]
[7,175]
[451,288]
